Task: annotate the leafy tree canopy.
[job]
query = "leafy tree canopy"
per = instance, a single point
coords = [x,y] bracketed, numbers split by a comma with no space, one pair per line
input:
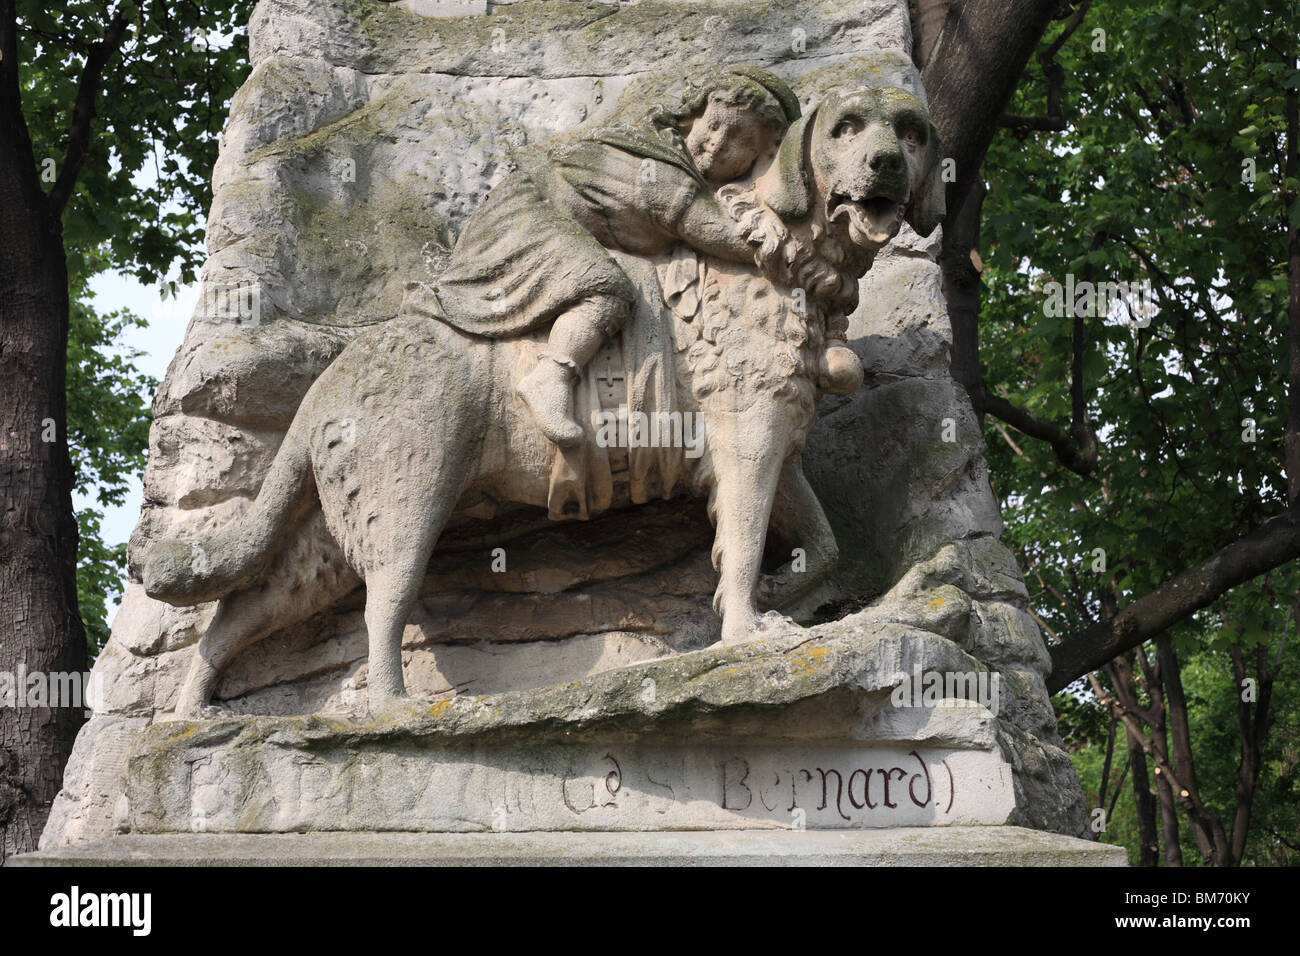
[1168,177]
[137,181]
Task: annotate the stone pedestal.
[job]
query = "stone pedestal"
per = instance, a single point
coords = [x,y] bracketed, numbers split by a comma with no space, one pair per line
[816,729]
[947,846]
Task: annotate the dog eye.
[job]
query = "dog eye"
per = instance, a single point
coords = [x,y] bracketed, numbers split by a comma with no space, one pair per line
[912,130]
[843,127]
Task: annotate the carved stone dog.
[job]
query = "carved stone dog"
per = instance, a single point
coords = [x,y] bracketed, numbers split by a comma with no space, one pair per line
[416,423]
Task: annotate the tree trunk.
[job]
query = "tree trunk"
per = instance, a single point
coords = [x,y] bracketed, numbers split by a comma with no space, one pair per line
[40,629]
[1291,168]
[1206,827]
[1148,844]
[961,291]
[1253,721]
[1155,719]
[928,17]
[972,72]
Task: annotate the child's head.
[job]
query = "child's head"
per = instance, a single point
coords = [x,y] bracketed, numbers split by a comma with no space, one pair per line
[733,118]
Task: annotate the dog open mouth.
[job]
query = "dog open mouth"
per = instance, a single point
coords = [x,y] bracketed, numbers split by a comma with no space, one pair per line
[871,221]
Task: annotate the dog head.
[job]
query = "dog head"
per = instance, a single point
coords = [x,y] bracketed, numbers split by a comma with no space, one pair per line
[869,157]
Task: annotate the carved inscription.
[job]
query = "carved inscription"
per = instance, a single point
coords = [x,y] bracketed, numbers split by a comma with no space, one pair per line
[615,786]
[845,790]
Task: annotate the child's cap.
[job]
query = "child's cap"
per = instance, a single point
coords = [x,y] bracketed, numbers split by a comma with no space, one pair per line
[769,81]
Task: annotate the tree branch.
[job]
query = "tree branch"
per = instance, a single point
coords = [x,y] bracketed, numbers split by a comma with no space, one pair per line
[1076,20]
[1291,443]
[1021,125]
[1076,447]
[1082,435]
[1104,785]
[1273,543]
[1054,73]
[83,112]
[1119,787]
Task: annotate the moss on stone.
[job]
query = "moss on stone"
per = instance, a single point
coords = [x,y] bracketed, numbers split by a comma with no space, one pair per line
[881,68]
[791,666]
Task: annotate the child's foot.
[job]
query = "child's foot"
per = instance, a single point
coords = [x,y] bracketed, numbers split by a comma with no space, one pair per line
[545,390]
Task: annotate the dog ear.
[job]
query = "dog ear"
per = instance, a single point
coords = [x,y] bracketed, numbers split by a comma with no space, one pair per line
[928,207]
[793,193]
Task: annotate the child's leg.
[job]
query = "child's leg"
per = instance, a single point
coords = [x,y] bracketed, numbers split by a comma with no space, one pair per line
[576,337]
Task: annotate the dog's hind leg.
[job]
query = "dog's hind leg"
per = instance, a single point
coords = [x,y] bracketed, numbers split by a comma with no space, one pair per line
[393,585]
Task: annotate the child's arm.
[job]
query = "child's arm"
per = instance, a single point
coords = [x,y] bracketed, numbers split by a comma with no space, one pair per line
[705,226]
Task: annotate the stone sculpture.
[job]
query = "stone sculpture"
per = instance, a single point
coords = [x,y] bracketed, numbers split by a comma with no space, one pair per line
[569,675]
[535,254]
[417,422]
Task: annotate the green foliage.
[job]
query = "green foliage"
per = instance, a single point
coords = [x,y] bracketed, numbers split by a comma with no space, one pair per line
[143,193]
[1213,700]
[100,572]
[108,433]
[1212,711]
[108,400]
[139,207]
[1148,183]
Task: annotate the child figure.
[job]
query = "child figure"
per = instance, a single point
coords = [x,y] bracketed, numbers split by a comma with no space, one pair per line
[537,251]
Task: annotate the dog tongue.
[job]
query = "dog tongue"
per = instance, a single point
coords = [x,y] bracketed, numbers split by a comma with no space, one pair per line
[874,222]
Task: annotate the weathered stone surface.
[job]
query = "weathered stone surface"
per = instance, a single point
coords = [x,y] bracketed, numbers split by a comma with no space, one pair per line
[803,725]
[602,786]
[209,460]
[914,492]
[549,39]
[1046,785]
[92,803]
[253,377]
[901,330]
[921,846]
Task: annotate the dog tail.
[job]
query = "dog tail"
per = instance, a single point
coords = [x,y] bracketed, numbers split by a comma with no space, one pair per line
[185,573]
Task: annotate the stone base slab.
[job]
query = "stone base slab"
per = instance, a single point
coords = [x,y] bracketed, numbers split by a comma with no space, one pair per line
[799,730]
[594,788]
[904,846]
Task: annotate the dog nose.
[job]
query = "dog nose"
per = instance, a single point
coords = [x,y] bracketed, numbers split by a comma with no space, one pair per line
[884,155]
[886,160]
